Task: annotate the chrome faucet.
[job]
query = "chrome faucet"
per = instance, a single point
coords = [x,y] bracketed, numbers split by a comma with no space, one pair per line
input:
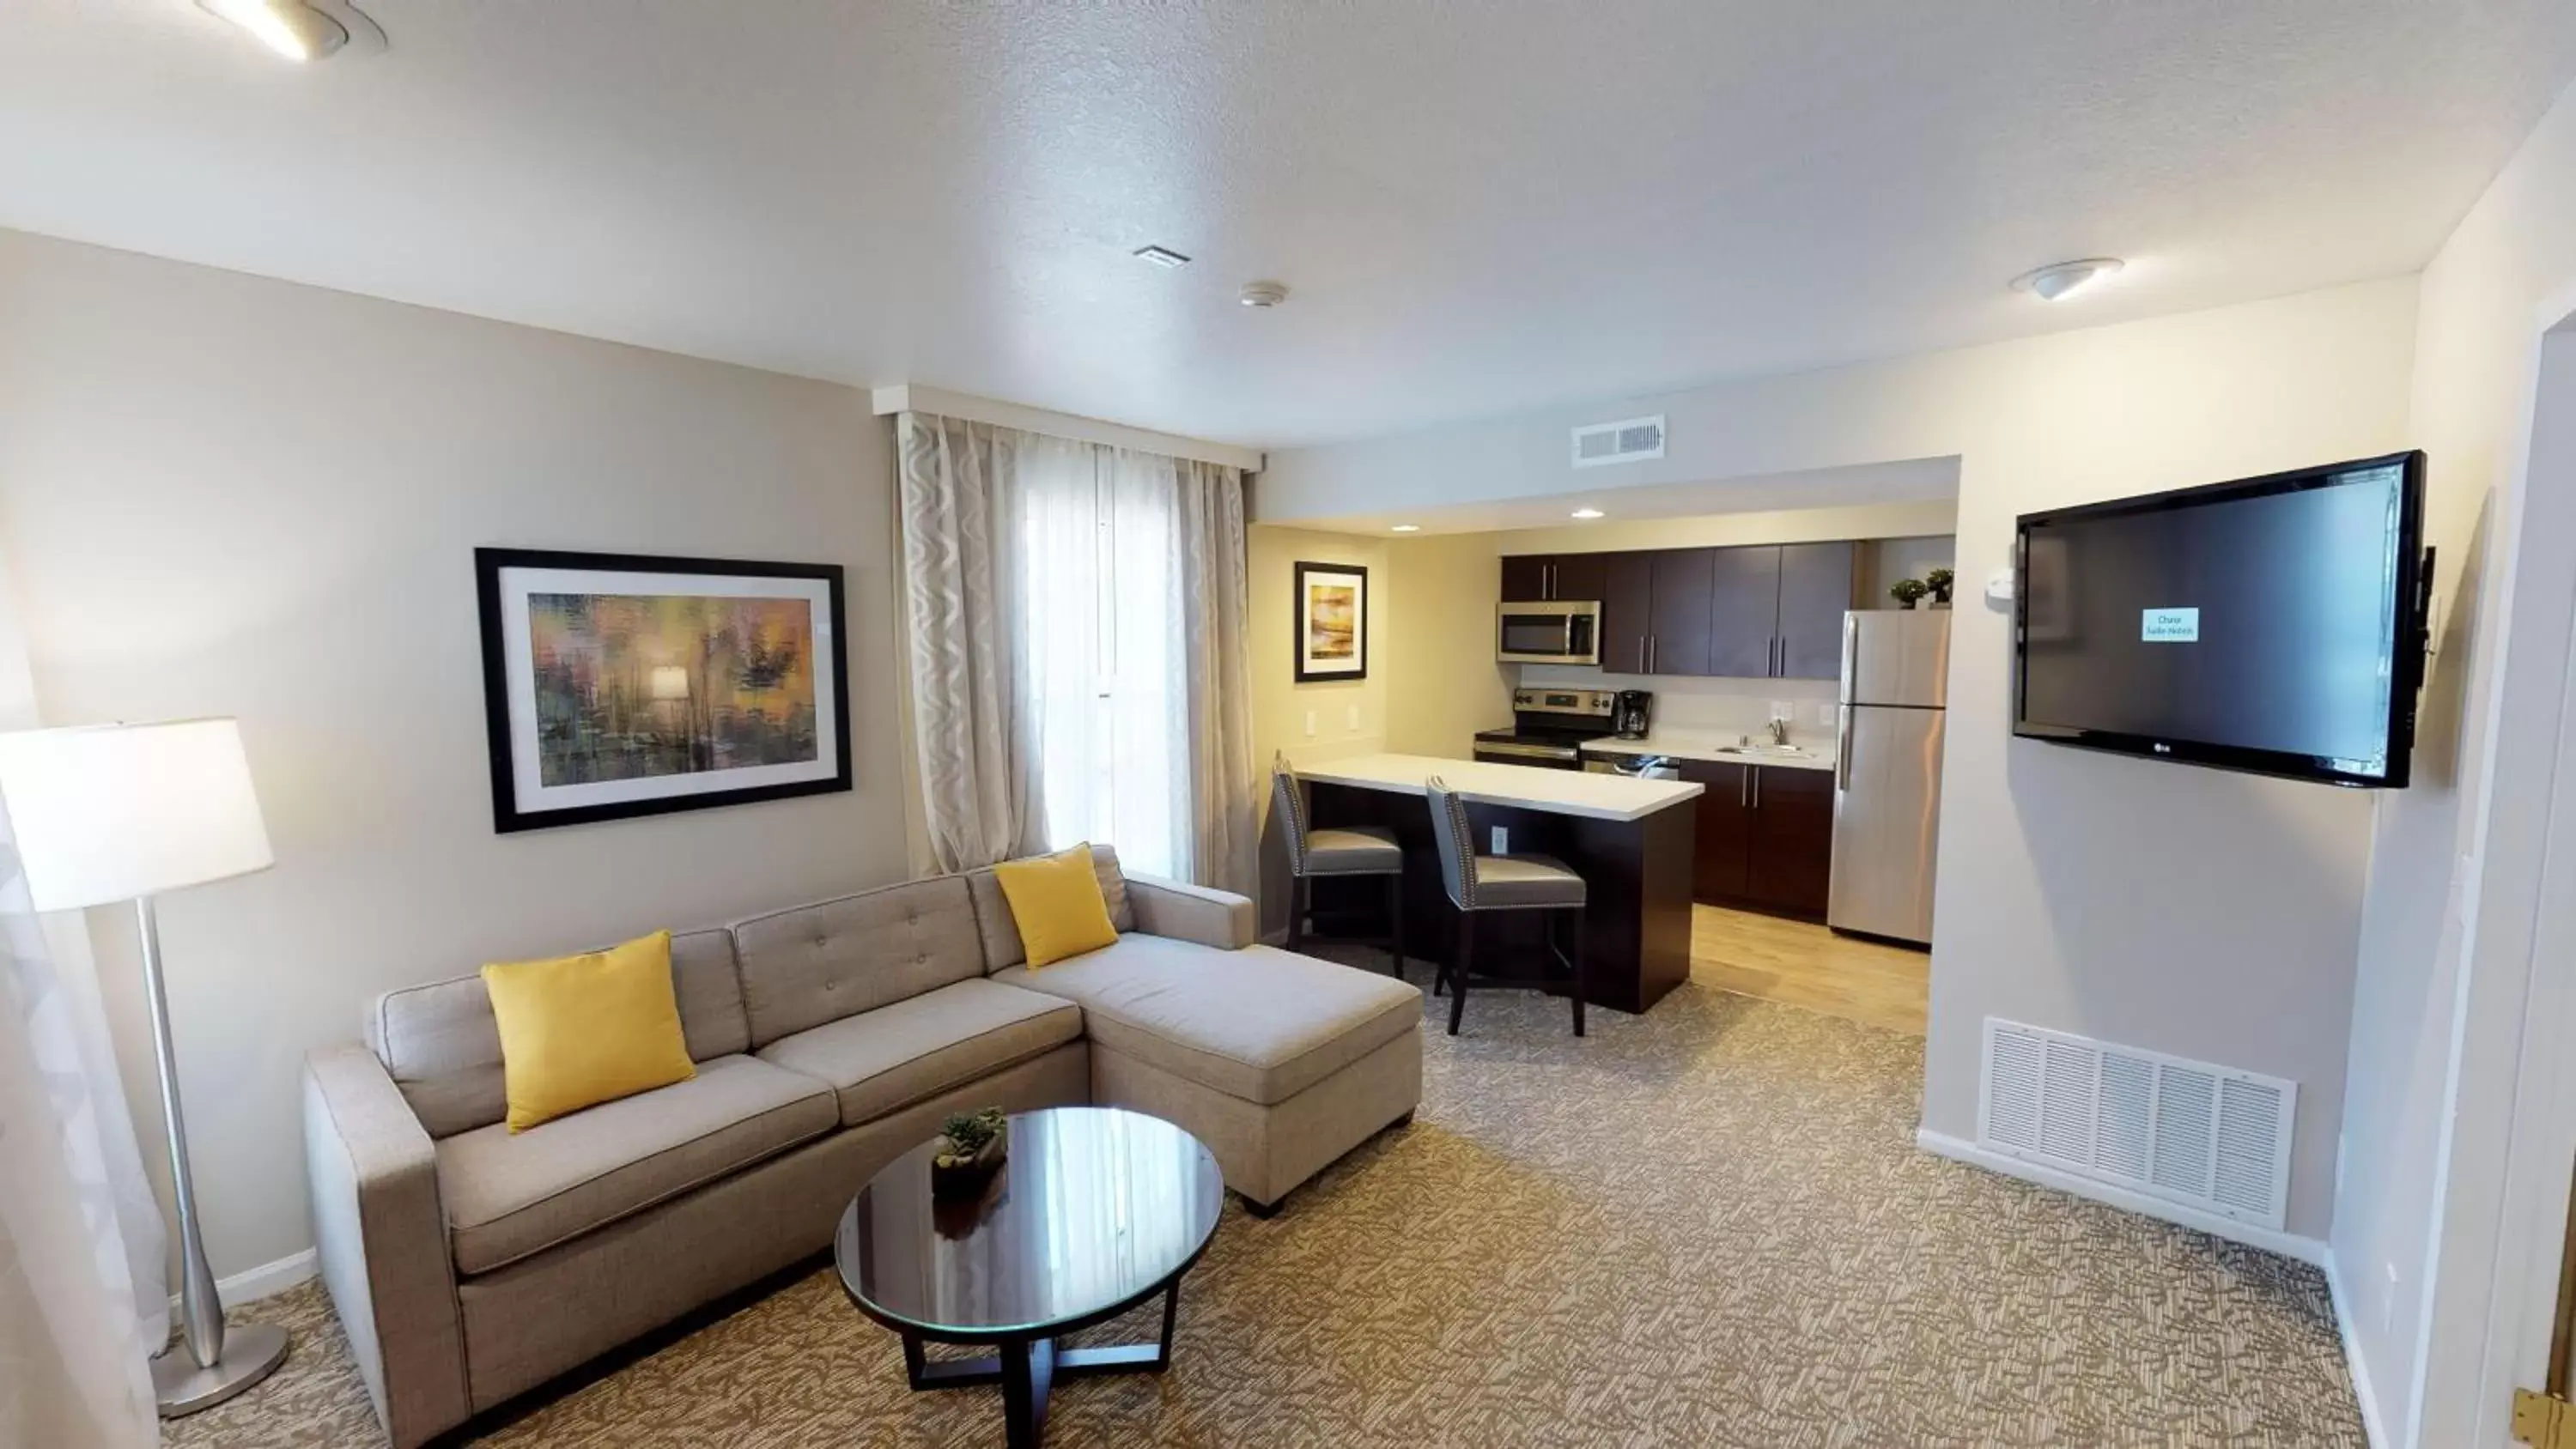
[1780,733]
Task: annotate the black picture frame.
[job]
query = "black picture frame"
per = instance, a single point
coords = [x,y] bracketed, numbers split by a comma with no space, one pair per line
[510,814]
[1297,622]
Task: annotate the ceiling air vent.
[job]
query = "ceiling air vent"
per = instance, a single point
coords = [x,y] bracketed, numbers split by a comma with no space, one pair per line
[1631,440]
[2214,1137]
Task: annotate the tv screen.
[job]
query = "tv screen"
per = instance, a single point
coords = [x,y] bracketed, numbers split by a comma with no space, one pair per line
[2272,624]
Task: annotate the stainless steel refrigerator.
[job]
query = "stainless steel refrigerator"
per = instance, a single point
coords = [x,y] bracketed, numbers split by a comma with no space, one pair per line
[1887,771]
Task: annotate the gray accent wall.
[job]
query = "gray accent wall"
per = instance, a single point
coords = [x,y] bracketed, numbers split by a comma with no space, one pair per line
[227,495]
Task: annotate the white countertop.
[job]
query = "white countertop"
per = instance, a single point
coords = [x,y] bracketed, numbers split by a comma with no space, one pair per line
[1560,792]
[1715,745]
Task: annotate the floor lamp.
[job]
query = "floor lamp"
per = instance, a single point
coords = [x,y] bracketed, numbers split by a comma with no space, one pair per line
[122,813]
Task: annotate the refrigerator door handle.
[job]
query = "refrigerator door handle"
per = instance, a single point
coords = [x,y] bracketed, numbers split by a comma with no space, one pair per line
[1843,751]
[1851,646]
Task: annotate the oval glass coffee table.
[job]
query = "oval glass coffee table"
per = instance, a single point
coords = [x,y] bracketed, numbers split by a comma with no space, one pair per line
[1094,1211]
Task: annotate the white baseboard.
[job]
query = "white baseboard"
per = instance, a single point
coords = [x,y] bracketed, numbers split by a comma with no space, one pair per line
[2253,1235]
[265,1281]
[2372,1427]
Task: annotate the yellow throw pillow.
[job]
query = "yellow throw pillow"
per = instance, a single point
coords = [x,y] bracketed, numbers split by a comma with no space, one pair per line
[1057,902]
[577,1031]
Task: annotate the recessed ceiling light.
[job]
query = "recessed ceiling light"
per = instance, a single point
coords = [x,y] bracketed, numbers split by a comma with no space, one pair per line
[1163,257]
[1407,528]
[2061,280]
[292,28]
[1587,513]
[1263,294]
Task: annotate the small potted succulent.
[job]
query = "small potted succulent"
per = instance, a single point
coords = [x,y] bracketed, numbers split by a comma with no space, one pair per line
[1907,591]
[1938,581]
[972,1144]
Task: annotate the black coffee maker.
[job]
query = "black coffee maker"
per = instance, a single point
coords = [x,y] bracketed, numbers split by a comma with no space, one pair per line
[1628,716]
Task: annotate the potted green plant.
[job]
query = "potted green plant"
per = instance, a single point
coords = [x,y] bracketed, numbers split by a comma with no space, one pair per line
[1938,581]
[972,1144]
[1906,591]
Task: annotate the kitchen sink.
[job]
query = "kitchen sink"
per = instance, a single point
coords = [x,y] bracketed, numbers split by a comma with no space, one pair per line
[1790,752]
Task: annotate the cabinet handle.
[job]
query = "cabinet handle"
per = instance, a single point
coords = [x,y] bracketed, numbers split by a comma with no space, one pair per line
[1547,580]
[1771,655]
[1744,786]
[1757,787]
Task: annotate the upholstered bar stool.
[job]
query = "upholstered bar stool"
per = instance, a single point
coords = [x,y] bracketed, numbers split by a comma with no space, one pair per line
[1356,850]
[1480,883]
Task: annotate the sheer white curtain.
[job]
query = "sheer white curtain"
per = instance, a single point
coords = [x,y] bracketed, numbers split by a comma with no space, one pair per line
[1113,585]
[82,1301]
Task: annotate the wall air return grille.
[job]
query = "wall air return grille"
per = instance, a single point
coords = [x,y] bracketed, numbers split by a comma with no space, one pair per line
[1632,440]
[2213,1137]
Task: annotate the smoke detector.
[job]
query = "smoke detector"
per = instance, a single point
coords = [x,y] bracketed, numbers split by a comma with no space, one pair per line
[2060,280]
[1263,294]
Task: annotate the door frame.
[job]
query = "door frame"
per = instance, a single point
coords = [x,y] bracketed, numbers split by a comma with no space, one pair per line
[2502,1196]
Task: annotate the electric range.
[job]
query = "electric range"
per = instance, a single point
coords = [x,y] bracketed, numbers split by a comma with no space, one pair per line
[1547,726]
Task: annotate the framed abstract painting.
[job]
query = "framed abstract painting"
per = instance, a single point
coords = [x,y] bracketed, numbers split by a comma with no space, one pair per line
[1332,622]
[617,685]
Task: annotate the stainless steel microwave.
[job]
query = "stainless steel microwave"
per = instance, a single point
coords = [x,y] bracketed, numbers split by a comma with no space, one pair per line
[1550,633]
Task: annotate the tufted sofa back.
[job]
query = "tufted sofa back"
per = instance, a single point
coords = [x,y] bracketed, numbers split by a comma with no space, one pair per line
[442,1045]
[739,989]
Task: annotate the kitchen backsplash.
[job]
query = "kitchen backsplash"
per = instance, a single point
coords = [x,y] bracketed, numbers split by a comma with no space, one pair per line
[1725,706]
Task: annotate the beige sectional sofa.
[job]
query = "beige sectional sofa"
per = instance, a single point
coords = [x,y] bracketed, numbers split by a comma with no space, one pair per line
[470,1265]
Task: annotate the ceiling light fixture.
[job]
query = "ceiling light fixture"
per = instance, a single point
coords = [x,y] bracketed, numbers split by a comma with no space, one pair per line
[1587,513]
[292,28]
[1263,294]
[1164,257]
[2061,280]
[1407,528]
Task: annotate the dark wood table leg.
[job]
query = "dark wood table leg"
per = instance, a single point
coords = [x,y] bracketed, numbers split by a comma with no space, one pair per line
[1028,1375]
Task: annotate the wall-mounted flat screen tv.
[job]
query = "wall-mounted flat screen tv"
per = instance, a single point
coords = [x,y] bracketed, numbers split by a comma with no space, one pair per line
[2272,624]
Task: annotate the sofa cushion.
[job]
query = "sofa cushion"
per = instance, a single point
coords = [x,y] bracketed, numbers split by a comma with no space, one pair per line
[811,964]
[509,1195]
[441,1045]
[1002,945]
[884,1060]
[1259,1024]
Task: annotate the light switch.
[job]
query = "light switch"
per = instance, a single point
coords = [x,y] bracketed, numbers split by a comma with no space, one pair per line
[1310,724]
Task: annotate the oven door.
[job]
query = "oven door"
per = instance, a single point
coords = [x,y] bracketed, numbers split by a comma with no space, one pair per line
[1542,757]
[1548,633]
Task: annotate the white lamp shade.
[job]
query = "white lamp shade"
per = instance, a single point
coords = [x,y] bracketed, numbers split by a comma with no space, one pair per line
[111,812]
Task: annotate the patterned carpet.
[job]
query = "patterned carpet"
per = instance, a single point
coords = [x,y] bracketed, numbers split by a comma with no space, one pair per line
[1705,1226]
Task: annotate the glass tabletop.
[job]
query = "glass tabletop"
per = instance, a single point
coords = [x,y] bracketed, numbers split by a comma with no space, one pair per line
[1093,1207]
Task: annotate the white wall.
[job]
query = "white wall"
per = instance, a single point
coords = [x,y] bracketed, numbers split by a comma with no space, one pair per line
[226,495]
[2432,1056]
[2188,911]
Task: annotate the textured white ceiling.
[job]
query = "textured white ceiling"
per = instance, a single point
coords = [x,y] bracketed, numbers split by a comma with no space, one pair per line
[1480,206]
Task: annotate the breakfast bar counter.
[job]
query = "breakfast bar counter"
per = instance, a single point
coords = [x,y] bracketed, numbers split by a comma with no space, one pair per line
[1623,835]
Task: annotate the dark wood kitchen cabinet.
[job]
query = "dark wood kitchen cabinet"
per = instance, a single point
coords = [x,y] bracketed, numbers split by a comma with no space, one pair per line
[1627,610]
[1815,589]
[1723,830]
[1525,577]
[1790,864]
[1768,611]
[1550,577]
[1677,632]
[1744,612]
[1764,837]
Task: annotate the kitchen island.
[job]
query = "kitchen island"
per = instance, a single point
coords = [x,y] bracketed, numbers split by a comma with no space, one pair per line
[1631,840]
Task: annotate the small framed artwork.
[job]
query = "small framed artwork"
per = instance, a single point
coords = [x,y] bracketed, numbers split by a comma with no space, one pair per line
[1332,622]
[617,685]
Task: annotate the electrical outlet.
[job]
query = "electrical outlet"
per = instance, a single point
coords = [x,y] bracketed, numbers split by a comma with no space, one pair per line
[1502,840]
[1310,724]
[1825,714]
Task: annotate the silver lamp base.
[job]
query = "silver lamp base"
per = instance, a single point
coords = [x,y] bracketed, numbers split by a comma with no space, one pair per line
[252,1351]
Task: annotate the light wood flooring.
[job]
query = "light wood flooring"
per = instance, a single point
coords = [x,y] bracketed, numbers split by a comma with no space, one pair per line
[1807,965]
